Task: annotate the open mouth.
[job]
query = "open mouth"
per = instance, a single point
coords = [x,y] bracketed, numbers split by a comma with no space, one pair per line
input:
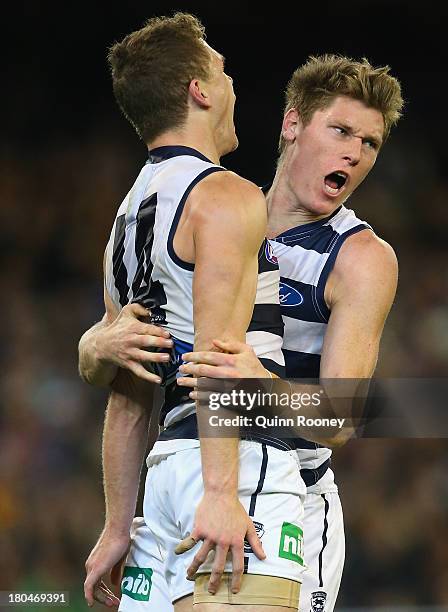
[334,182]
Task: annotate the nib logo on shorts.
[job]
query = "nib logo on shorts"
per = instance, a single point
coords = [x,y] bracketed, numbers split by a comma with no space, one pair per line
[291,543]
[137,582]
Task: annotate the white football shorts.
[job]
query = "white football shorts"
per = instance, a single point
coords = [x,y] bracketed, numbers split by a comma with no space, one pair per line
[270,489]
[143,586]
[324,547]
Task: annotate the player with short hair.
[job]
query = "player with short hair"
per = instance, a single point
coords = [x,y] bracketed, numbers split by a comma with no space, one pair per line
[338,278]
[165,253]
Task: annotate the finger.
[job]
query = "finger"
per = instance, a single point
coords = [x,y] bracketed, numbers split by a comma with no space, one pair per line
[193,395]
[142,372]
[139,355]
[89,585]
[207,357]
[199,559]
[104,596]
[237,567]
[187,381]
[135,310]
[116,574]
[148,341]
[254,542]
[148,329]
[217,568]
[185,544]
[117,570]
[200,370]
[231,346]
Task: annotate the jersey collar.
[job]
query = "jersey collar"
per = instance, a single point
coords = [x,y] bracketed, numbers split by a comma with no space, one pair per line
[160,154]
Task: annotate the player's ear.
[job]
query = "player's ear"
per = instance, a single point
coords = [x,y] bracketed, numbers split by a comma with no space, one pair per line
[291,123]
[198,93]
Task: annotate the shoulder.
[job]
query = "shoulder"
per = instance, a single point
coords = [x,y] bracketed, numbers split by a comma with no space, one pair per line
[365,264]
[364,254]
[227,187]
[226,194]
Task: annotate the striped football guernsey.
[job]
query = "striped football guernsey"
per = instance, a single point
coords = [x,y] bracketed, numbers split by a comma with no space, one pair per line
[306,255]
[142,266]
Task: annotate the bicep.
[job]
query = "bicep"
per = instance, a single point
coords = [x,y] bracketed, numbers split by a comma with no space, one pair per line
[226,271]
[357,319]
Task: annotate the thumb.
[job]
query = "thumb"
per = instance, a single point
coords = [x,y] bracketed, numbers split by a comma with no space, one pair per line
[117,571]
[254,541]
[231,346]
[187,543]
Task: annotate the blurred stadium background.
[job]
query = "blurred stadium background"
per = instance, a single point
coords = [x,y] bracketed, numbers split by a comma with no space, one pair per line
[68,158]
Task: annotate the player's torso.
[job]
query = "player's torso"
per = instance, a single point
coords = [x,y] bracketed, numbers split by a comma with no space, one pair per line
[306,255]
[142,266]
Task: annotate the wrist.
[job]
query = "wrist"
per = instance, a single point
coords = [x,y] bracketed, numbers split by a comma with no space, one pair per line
[117,530]
[222,490]
[98,348]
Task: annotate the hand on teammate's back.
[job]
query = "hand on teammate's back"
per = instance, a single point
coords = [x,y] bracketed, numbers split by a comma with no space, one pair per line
[125,342]
[222,523]
[236,360]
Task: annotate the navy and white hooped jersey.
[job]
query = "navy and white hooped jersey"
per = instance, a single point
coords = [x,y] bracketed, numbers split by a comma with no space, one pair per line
[306,255]
[142,266]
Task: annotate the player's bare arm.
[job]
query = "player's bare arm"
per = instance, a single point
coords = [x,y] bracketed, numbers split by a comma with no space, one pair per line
[228,220]
[359,292]
[125,437]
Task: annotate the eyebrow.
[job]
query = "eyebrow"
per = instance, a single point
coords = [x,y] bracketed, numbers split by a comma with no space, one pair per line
[349,128]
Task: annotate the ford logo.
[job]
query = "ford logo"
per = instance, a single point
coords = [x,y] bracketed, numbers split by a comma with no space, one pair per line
[289,296]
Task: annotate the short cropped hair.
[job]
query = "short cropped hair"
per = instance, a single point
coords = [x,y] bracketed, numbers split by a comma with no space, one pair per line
[152,69]
[322,78]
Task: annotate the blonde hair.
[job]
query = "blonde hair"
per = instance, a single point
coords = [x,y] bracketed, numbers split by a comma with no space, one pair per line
[317,83]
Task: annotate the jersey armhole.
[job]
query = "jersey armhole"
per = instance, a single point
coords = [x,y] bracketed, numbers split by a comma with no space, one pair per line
[185,265]
[320,305]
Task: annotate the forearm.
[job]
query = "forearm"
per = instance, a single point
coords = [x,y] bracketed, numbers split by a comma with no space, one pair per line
[125,441]
[92,368]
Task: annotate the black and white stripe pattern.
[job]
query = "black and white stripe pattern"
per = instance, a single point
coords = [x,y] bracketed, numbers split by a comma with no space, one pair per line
[142,266]
[306,255]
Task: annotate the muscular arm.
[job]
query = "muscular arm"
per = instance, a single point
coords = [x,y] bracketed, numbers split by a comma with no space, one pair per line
[125,438]
[228,217]
[359,292]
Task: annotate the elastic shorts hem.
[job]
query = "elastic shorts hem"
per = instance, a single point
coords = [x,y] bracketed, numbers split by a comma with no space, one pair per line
[182,594]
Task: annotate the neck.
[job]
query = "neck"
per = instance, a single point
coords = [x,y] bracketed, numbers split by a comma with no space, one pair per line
[202,141]
[284,208]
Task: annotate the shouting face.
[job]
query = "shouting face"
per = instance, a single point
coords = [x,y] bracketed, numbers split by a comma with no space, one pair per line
[326,159]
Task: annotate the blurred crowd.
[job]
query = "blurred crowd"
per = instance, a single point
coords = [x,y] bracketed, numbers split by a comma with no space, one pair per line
[55,217]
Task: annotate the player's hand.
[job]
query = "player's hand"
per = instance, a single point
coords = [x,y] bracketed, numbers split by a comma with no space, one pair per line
[105,561]
[126,341]
[237,360]
[222,524]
